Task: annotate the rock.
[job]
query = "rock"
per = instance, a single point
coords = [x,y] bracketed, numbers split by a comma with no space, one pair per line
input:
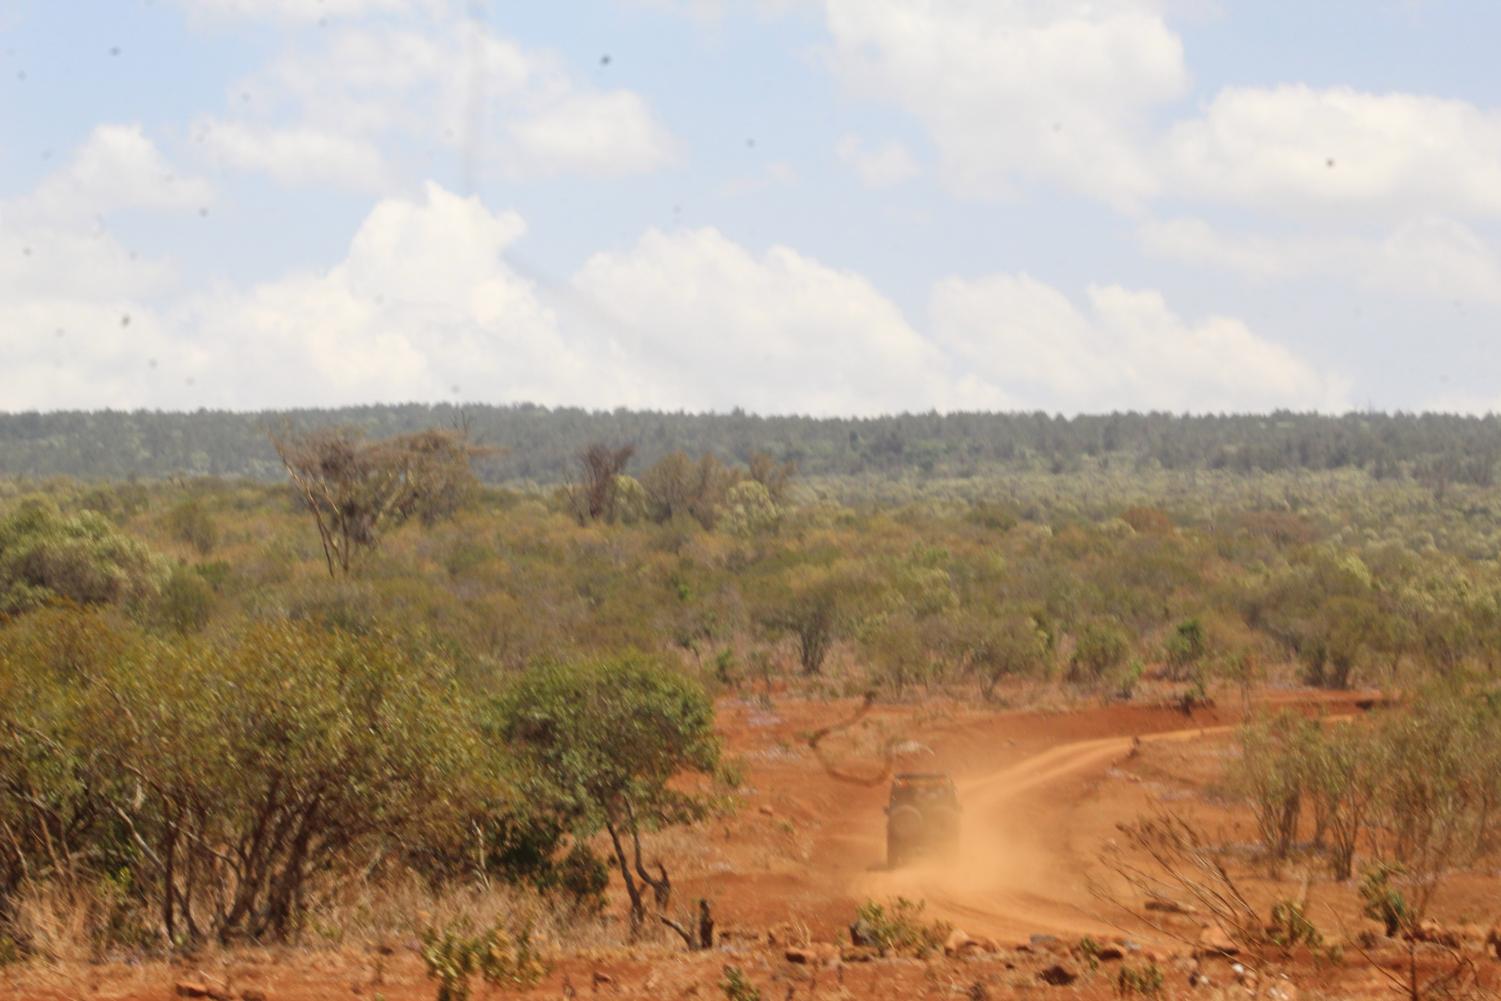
[955,943]
[860,933]
[1198,978]
[599,979]
[767,810]
[1215,941]
[1058,975]
[252,995]
[980,944]
[1493,941]
[817,954]
[193,989]
[858,954]
[1109,953]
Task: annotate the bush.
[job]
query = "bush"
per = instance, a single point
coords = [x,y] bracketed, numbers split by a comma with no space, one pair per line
[1100,646]
[190,522]
[185,603]
[46,556]
[1418,785]
[899,927]
[1185,648]
[221,782]
[736,987]
[453,955]
[1141,981]
[601,743]
[1272,773]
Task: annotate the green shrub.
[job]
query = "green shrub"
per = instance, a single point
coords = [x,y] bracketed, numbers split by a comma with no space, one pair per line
[1141,981]
[46,556]
[601,743]
[453,955]
[185,603]
[1100,646]
[736,987]
[305,744]
[190,522]
[899,927]
[1290,927]
[1185,648]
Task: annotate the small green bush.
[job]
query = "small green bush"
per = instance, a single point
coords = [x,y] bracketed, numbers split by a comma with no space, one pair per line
[453,955]
[1141,981]
[736,987]
[899,927]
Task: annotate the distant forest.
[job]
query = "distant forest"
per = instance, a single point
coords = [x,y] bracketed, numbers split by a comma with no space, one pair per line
[539,444]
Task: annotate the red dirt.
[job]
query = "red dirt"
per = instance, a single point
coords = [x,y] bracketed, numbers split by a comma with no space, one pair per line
[1043,793]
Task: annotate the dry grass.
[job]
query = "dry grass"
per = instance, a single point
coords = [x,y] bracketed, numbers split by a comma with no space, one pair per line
[393,912]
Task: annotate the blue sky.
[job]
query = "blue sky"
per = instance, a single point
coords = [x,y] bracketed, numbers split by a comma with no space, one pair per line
[813,206]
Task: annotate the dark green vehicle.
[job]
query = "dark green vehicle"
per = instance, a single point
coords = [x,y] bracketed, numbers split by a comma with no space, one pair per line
[922,817]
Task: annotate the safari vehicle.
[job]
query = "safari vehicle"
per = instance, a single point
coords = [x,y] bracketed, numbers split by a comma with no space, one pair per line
[922,817]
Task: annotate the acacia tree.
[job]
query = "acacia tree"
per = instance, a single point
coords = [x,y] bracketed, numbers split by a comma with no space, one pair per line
[807,605]
[600,467]
[358,489]
[997,644]
[600,743]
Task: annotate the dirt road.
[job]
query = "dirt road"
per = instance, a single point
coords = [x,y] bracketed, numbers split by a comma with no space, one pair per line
[1028,847]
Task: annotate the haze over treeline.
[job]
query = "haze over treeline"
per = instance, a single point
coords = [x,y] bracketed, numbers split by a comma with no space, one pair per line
[540,444]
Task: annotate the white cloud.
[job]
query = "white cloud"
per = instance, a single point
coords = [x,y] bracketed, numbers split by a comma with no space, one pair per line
[1123,350]
[1087,95]
[1429,256]
[70,353]
[879,168]
[707,324]
[296,156]
[1294,148]
[1014,90]
[116,169]
[459,84]
[56,244]
[424,305]
[424,302]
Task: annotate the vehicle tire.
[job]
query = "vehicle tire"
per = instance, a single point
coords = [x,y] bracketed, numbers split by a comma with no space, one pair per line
[904,830]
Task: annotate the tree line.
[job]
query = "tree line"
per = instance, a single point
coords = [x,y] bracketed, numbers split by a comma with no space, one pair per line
[540,444]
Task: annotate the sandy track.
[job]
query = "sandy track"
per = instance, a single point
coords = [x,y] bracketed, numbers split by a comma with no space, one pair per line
[1024,866]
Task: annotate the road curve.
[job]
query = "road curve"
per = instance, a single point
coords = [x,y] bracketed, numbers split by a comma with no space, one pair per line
[1019,872]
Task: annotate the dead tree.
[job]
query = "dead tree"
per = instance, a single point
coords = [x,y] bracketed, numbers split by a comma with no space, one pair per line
[593,495]
[357,489]
[599,466]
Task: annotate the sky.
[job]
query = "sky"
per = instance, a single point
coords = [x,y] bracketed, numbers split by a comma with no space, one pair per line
[789,206]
